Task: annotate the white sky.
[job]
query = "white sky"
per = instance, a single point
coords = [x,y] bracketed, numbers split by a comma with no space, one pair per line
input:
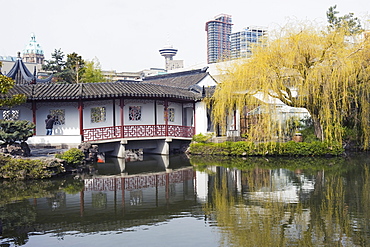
[125,35]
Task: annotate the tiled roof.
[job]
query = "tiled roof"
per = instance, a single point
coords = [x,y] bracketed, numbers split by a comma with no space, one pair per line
[184,79]
[100,91]
[22,75]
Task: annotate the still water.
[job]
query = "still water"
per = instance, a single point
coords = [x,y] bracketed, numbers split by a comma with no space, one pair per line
[174,201]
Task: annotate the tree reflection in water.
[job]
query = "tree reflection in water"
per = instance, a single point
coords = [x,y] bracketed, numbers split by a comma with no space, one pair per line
[334,212]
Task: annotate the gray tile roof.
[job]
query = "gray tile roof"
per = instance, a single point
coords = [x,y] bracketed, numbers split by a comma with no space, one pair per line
[100,91]
[185,79]
[22,75]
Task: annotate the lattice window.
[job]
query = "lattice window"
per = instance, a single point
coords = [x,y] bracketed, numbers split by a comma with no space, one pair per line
[98,114]
[11,114]
[134,113]
[171,114]
[60,116]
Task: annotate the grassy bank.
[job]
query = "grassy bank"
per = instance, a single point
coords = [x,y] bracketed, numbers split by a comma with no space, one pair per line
[290,148]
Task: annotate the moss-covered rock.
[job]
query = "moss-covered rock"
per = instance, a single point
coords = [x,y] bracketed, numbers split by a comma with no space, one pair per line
[23,169]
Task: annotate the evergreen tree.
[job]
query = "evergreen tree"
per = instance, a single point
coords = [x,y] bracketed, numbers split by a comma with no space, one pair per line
[56,65]
[348,22]
[75,68]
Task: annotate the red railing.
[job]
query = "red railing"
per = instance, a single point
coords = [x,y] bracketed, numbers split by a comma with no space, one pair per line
[137,131]
[138,182]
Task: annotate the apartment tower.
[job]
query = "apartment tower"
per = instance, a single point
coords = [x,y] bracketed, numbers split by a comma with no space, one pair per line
[242,43]
[218,38]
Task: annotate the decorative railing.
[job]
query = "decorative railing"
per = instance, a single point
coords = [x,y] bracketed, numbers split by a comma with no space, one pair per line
[137,131]
[104,133]
[138,182]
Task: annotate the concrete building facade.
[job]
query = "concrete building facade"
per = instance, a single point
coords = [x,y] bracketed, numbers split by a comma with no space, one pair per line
[218,38]
[242,42]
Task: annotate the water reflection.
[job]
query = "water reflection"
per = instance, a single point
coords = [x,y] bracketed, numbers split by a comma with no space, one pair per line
[97,203]
[291,207]
[234,202]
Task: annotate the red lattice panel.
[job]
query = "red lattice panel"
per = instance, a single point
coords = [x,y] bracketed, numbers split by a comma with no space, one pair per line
[106,133]
[137,182]
[180,131]
[100,184]
[144,130]
[103,133]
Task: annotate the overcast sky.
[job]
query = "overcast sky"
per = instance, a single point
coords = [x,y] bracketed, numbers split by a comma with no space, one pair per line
[125,35]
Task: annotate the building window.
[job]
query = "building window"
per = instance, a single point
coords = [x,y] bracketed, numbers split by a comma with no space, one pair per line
[98,114]
[60,117]
[11,114]
[134,113]
[171,114]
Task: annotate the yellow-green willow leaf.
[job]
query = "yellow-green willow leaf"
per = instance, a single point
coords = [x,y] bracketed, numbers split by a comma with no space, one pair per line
[325,72]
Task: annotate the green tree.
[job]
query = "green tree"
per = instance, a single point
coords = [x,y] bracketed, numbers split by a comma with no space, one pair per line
[93,72]
[306,67]
[6,84]
[75,68]
[12,131]
[57,65]
[70,71]
[349,22]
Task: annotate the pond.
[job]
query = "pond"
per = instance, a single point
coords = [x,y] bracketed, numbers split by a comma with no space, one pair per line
[177,201]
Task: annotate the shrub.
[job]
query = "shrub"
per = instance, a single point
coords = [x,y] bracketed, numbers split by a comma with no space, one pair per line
[309,134]
[15,131]
[290,148]
[20,169]
[202,138]
[74,157]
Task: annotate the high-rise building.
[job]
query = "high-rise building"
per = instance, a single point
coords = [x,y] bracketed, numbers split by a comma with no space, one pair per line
[218,38]
[33,52]
[242,42]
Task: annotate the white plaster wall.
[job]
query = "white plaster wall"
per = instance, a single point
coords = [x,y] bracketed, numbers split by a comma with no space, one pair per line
[71,126]
[207,82]
[108,104]
[178,113]
[189,116]
[25,112]
[200,118]
[147,112]
[71,117]
[160,112]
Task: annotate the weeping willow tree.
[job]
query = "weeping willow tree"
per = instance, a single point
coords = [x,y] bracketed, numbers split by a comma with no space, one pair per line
[326,71]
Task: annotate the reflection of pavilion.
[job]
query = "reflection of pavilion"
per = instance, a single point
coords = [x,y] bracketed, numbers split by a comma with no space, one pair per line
[116,202]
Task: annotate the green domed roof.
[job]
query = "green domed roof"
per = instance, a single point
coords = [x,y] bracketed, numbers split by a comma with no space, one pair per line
[33,46]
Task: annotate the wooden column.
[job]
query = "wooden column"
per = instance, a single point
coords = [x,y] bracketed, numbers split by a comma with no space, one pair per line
[166,116]
[122,117]
[81,118]
[82,202]
[34,115]
[114,114]
[194,122]
[155,117]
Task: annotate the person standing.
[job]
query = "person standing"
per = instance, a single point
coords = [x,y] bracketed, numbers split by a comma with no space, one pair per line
[49,123]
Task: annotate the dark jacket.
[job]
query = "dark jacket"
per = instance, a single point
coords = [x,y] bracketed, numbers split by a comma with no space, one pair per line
[49,123]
